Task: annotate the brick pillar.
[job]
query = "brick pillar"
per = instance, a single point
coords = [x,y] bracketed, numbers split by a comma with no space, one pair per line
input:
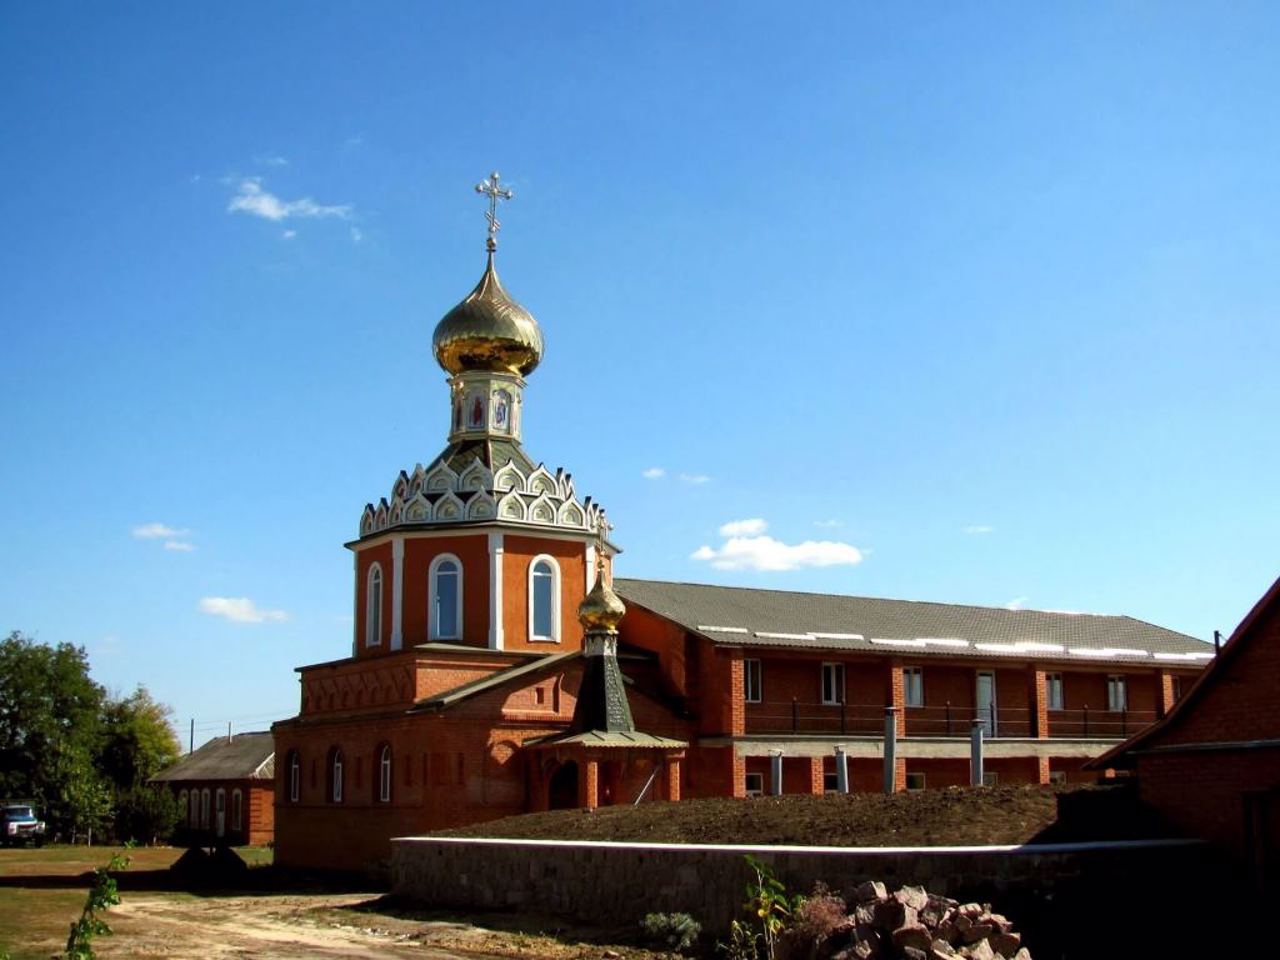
[815,776]
[589,785]
[1039,701]
[739,772]
[897,695]
[899,775]
[737,703]
[671,775]
[1043,772]
[1166,700]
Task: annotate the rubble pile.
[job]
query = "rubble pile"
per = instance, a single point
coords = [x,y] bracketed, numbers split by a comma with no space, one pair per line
[909,924]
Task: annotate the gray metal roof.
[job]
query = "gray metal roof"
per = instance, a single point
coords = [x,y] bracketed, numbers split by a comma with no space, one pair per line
[741,616]
[246,756]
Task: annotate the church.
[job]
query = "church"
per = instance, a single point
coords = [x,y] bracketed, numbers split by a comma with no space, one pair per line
[498,666]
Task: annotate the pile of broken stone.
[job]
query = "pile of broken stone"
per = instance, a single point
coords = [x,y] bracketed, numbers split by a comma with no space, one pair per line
[913,924]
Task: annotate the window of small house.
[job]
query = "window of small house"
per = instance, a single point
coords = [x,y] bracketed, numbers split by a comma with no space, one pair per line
[751,681]
[1117,693]
[913,686]
[1053,686]
[755,784]
[833,683]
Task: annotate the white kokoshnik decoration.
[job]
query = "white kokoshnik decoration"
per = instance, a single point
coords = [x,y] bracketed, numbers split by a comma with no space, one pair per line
[440,495]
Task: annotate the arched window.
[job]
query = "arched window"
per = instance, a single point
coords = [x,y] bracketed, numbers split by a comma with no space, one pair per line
[193,812]
[335,775]
[295,776]
[184,805]
[544,599]
[204,809]
[373,607]
[237,809]
[384,775]
[446,597]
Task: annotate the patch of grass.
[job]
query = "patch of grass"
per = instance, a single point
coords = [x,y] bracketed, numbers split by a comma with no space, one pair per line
[43,889]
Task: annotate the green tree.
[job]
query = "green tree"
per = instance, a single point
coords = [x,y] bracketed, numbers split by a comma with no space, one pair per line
[137,740]
[50,728]
[137,743]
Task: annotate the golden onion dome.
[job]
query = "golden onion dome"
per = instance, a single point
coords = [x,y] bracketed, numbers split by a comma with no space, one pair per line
[601,610]
[488,331]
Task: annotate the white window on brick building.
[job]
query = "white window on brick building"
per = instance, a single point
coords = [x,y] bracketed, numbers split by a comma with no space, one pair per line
[833,683]
[752,677]
[1117,693]
[913,686]
[1053,688]
[755,784]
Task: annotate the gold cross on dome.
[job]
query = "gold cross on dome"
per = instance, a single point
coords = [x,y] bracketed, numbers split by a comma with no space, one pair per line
[495,191]
[602,538]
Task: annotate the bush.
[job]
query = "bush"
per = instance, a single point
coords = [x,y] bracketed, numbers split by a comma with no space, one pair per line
[146,815]
[675,931]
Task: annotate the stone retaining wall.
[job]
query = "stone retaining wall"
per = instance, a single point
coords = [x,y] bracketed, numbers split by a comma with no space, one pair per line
[618,883]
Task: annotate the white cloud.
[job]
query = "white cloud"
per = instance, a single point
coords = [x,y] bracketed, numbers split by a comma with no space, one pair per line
[828,524]
[180,546]
[746,547]
[654,473]
[289,234]
[356,234]
[272,160]
[239,610]
[695,478]
[1017,603]
[743,528]
[979,528]
[252,199]
[158,531]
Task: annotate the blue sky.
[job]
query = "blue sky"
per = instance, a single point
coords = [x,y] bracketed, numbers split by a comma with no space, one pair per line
[983,295]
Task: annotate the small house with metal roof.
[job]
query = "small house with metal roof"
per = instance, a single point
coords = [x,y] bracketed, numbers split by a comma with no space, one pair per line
[225,791]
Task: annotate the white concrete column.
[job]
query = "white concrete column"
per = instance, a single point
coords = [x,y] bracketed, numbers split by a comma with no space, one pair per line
[397,593]
[495,591]
[355,602]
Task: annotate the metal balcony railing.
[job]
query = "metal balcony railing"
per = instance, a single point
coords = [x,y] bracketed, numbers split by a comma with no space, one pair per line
[948,720]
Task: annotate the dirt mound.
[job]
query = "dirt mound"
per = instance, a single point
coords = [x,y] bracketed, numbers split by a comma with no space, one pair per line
[955,816]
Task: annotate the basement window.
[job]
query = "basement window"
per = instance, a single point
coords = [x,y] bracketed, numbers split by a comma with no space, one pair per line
[915,781]
[1057,776]
[830,783]
[990,779]
[755,784]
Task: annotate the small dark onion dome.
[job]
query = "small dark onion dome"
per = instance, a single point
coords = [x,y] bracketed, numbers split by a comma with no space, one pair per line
[488,331]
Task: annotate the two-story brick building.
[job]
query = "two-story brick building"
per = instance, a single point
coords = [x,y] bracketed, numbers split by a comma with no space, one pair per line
[457,700]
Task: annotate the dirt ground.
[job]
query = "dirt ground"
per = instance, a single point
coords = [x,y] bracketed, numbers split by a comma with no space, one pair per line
[41,891]
[956,816]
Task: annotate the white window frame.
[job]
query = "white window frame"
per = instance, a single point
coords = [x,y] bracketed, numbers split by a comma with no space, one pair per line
[831,782]
[432,618]
[913,686]
[756,778]
[295,776]
[237,809]
[372,610]
[837,672]
[752,670]
[384,774]
[1053,685]
[555,598]
[335,777]
[1117,684]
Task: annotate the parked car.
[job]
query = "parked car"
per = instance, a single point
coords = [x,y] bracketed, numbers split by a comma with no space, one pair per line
[19,823]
